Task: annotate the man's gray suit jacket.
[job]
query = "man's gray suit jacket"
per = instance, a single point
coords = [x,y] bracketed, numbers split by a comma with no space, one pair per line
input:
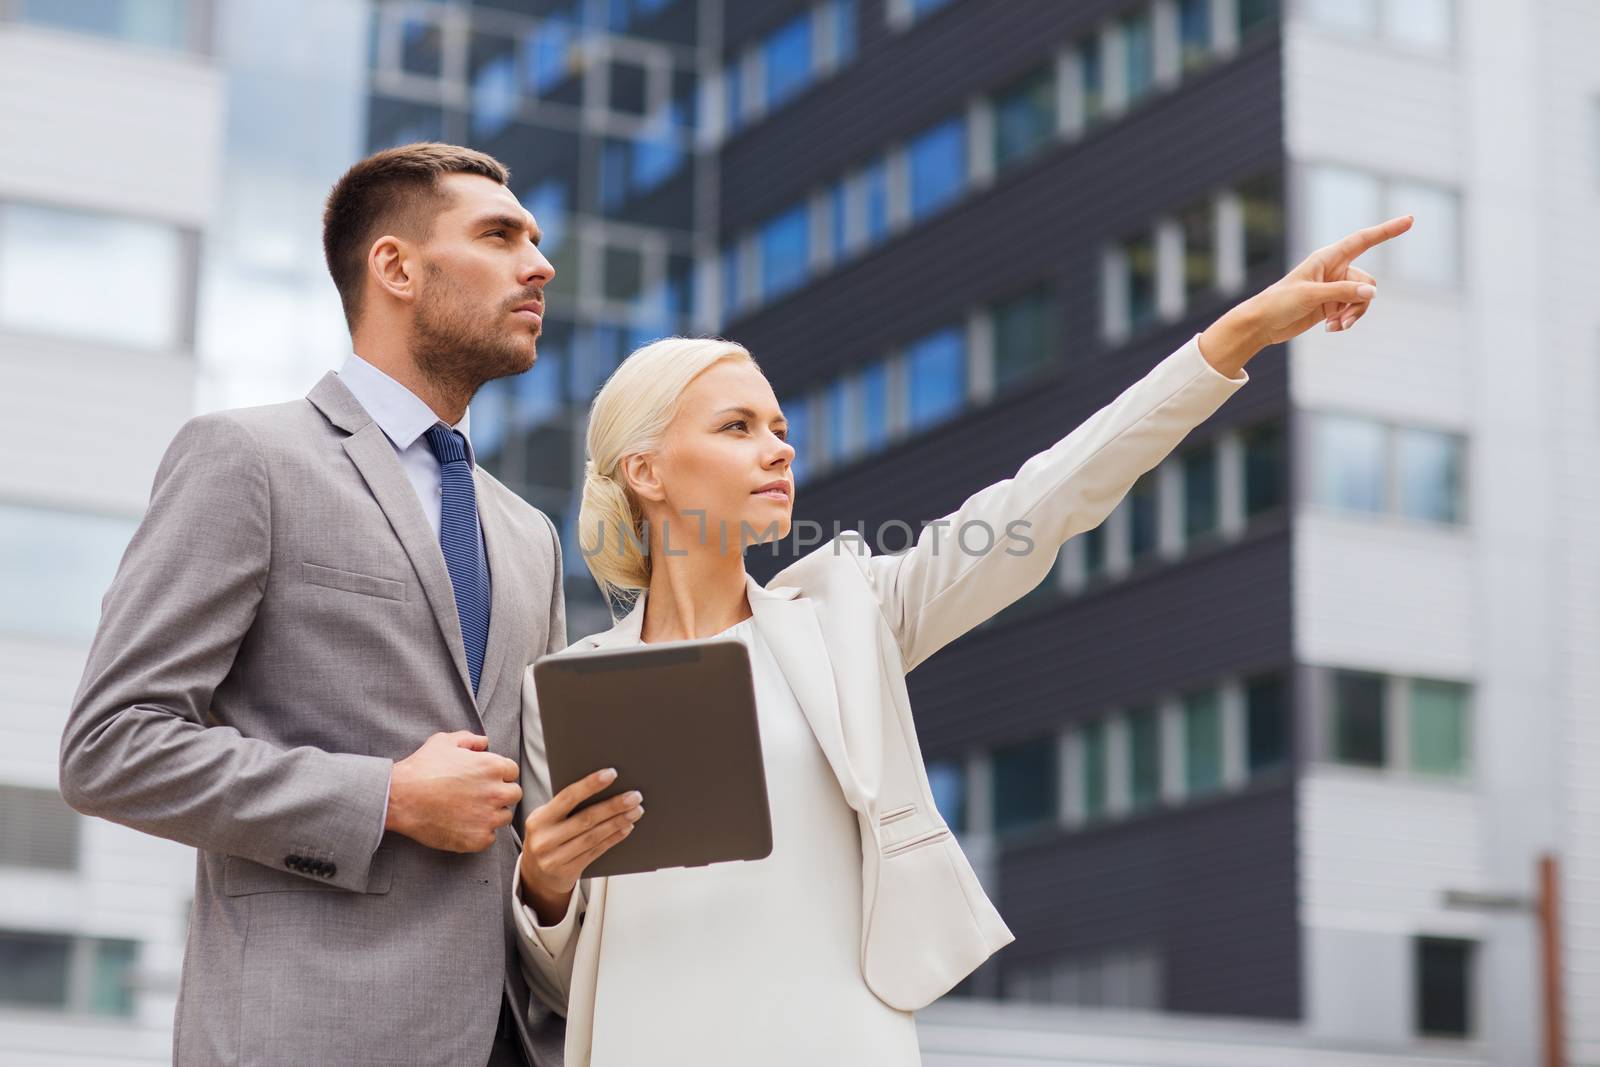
[282,628]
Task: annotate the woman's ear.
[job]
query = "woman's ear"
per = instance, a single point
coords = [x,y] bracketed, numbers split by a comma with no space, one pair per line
[639,473]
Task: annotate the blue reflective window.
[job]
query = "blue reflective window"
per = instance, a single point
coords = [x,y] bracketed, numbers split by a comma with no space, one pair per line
[937,160]
[489,420]
[838,212]
[875,406]
[920,8]
[1092,79]
[785,247]
[657,156]
[549,203]
[787,56]
[838,420]
[936,366]
[948,781]
[731,272]
[55,567]
[536,395]
[733,87]
[1024,117]
[614,173]
[1194,32]
[163,23]
[844,30]
[546,50]
[494,95]
[798,415]
[875,193]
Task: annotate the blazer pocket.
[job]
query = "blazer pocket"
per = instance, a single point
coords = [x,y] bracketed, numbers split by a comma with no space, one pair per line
[242,877]
[351,582]
[933,836]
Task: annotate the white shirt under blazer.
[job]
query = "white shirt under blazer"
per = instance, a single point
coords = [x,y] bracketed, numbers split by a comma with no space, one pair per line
[846,626]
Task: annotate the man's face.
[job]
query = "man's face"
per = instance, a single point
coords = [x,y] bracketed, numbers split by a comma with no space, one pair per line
[480,304]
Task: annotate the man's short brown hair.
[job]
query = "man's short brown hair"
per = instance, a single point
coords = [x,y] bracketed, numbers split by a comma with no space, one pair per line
[393,191]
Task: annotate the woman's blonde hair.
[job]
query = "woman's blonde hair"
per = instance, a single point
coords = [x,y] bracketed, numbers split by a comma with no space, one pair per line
[630,415]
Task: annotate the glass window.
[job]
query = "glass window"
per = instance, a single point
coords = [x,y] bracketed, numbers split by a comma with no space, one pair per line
[1194,33]
[547,51]
[1429,474]
[920,8]
[798,415]
[1202,742]
[1444,987]
[161,23]
[1024,778]
[495,93]
[1198,226]
[1339,201]
[844,30]
[614,160]
[1349,16]
[1266,723]
[1092,79]
[537,394]
[948,781]
[1348,464]
[657,153]
[55,567]
[111,982]
[42,277]
[1139,57]
[732,268]
[1096,781]
[422,45]
[1266,469]
[1199,467]
[1094,551]
[785,251]
[37,829]
[1024,337]
[33,969]
[1433,257]
[550,204]
[1140,255]
[874,388]
[839,420]
[875,192]
[787,56]
[1420,24]
[1255,16]
[1261,203]
[937,368]
[1438,733]
[733,86]
[937,160]
[1142,517]
[1358,719]
[838,218]
[1024,117]
[1144,757]
[624,273]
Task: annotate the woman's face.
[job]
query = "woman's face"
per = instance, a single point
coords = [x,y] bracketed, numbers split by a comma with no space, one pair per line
[725,455]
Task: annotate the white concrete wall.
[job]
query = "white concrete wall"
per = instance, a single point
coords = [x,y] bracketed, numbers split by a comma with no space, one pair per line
[94,125]
[1509,358]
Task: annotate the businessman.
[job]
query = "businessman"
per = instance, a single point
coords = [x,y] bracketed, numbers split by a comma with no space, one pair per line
[308,666]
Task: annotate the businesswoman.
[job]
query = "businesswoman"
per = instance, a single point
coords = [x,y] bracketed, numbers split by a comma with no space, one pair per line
[866,909]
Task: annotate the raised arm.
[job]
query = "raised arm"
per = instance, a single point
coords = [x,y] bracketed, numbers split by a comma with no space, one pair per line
[939,588]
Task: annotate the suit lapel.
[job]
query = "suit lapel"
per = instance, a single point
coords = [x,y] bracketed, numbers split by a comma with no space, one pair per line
[374,457]
[794,635]
[503,589]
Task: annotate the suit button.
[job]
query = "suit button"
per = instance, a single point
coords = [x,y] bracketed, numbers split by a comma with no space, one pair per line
[291,861]
[330,869]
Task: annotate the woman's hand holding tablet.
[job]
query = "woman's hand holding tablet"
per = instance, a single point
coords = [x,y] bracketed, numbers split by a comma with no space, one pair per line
[558,843]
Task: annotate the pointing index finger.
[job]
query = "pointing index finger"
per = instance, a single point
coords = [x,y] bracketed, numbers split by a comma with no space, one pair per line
[1348,248]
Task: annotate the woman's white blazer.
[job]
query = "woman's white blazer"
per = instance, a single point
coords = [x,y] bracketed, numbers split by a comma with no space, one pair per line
[846,626]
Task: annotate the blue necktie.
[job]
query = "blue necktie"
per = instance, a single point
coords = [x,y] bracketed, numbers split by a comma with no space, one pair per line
[462,543]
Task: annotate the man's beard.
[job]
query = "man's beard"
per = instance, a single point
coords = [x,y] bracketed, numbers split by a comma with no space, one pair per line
[455,346]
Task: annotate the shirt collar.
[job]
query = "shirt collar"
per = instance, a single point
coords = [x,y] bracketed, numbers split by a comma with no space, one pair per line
[398,411]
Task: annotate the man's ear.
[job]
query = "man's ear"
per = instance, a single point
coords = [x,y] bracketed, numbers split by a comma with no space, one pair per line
[393,267]
[639,474]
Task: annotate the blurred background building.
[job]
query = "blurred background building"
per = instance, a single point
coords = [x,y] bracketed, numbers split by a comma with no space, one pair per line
[1327,664]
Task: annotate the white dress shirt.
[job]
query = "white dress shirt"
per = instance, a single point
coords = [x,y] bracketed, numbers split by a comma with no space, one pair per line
[404,418]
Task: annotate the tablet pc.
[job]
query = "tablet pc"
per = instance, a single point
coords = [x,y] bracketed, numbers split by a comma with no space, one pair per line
[677,720]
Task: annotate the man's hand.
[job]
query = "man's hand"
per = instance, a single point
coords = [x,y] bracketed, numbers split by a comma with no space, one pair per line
[557,845]
[452,793]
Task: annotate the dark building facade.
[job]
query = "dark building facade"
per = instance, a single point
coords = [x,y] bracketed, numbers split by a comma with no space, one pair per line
[949,231]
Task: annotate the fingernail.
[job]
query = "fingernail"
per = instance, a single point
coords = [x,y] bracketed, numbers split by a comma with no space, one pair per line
[1366,292]
[1347,323]
[635,797]
[608,775]
[636,813]
[1331,326]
